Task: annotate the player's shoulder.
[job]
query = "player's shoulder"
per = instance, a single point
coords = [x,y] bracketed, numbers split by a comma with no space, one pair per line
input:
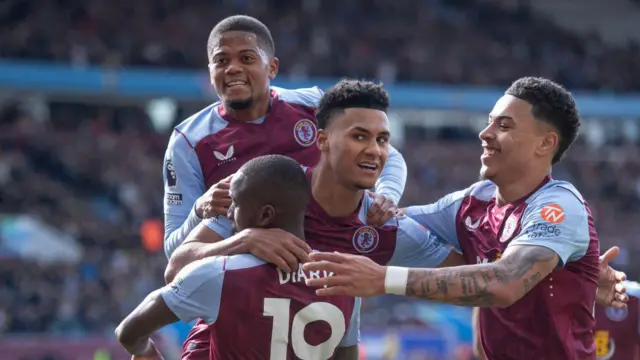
[196,127]
[242,261]
[309,97]
[559,192]
[482,190]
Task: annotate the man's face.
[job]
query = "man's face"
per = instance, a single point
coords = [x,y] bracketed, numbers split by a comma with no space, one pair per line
[356,144]
[512,140]
[240,70]
[244,211]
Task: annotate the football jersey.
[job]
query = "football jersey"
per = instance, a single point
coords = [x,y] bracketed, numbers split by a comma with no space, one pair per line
[555,319]
[401,242]
[618,330]
[255,311]
[209,146]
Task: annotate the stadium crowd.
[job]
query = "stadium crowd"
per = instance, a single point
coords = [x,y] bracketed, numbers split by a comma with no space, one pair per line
[95,172]
[460,41]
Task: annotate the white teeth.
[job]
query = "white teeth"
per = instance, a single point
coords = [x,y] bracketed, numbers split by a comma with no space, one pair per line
[234,83]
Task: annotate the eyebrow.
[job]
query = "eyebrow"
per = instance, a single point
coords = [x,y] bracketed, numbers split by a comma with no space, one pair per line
[361,129]
[501,117]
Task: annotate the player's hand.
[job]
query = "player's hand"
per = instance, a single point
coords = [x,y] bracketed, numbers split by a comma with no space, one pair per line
[277,247]
[611,292]
[381,210]
[215,201]
[353,275]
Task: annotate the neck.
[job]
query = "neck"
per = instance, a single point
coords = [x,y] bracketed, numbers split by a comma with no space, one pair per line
[259,109]
[516,189]
[334,198]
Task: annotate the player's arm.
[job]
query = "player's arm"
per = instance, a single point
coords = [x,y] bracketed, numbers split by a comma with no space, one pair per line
[417,246]
[213,237]
[475,327]
[183,185]
[195,294]
[393,177]
[440,217]
[530,257]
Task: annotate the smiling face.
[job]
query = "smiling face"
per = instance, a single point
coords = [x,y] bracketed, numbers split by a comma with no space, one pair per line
[514,140]
[240,71]
[356,146]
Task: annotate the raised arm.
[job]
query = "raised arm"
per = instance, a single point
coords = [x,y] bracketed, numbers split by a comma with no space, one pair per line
[183,185]
[393,177]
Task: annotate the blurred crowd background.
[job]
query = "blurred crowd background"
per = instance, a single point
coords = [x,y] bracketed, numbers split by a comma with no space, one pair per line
[80,176]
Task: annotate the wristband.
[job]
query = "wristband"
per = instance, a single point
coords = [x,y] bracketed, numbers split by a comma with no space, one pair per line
[395,280]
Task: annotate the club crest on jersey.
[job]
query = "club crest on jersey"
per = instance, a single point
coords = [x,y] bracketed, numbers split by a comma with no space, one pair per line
[616,314]
[305,132]
[365,239]
[170,173]
[509,228]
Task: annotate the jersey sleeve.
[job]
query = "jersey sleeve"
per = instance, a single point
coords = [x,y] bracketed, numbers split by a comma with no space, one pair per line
[196,290]
[417,247]
[556,219]
[183,185]
[221,225]
[440,217]
[393,177]
[352,337]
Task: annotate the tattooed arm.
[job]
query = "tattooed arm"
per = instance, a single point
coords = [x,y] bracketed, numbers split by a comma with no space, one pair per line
[497,284]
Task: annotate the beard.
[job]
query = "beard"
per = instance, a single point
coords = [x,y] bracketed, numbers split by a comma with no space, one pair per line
[239,104]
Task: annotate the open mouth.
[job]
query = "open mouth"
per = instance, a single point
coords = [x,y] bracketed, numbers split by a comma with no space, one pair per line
[488,152]
[235,83]
[368,166]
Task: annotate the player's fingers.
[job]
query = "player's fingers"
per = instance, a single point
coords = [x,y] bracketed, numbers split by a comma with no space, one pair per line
[609,255]
[300,251]
[328,256]
[289,258]
[228,179]
[220,193]
[622,298]
[618,305]
[278,261]
[218,210]
[323,266]
[328,281]
[223,185]
[620,276]
[221,202]
[333,291]
[620,288]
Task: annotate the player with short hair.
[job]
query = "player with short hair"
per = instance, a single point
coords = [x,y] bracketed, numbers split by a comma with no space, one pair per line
[531,238]
[251,119]
[249,304]
[353,140]
[617,333]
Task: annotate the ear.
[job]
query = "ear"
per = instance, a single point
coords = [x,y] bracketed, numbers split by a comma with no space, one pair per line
[549,143]
[323,140]
[273,68]
[267,216]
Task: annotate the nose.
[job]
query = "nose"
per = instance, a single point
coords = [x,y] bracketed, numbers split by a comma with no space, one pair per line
[374,149]
[487,133]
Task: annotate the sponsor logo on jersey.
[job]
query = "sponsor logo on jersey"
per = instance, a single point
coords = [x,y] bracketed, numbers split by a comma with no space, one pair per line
[365,239]
[509,228]
[170,173]
[543,230]
[552,213]
[616,314]
[305,132]
[226,157]
[173,199]
[471,226]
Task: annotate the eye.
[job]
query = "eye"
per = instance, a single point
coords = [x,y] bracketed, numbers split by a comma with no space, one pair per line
[220,61]
[248,58]
[359,137]
[383,140]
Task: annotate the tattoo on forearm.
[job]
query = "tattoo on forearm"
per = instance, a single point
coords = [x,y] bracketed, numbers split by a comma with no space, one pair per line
[473,285]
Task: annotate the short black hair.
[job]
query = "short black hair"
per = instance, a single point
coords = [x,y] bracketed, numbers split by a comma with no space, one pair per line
[280,181]
[553,104]
[242,23]
[349,93]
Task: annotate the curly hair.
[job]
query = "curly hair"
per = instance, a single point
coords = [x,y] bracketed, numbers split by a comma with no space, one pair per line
[553,104]
[349,93]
